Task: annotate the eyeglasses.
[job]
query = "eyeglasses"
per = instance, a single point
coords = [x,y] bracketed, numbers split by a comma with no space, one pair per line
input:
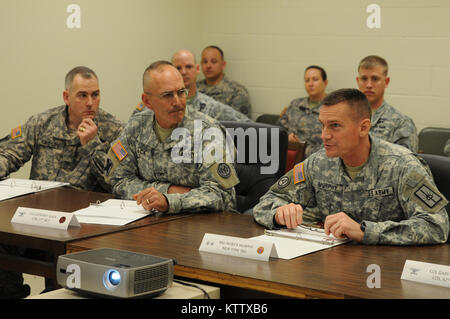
[170,95]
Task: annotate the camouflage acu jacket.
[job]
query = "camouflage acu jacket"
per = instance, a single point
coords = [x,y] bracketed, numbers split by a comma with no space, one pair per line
[303,122]
[145,162]
[395,127]
[394,194]
[56,151]
[228,92]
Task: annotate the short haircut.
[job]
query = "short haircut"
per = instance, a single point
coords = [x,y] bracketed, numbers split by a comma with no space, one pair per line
[354,98]
[371,61]
[85,72]
[157,65]
[217,48]
[322,71]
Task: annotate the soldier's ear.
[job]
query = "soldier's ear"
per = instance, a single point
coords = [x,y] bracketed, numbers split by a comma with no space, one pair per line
[66,97]
[365,127]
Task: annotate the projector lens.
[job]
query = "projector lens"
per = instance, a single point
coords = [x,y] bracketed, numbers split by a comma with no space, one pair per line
[114,277]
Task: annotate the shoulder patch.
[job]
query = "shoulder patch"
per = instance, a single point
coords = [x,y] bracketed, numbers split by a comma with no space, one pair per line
[140,106]
[299,174]
[284,181]
[224,170]
[427,196]
[16,132]
[119,150]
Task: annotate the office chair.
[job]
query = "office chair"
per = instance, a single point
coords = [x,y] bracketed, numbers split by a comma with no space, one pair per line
[268,119]
[296,154]
[440,168]
[260,162]
[432,140]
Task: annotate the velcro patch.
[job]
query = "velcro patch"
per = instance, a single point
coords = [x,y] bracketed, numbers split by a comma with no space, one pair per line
[299,175]
[119,150]
[427,196]
[16,132]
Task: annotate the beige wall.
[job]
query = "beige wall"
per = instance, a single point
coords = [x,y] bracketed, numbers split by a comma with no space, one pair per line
[267,45]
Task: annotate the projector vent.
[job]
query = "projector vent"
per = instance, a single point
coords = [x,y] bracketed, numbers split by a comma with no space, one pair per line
[150,279]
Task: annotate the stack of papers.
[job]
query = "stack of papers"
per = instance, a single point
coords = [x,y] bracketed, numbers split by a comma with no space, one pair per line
[112,212]
[302,240]
[13,187]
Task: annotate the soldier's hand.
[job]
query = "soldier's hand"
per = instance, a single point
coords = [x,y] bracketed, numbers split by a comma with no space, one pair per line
[290,215]
[150,199]
[341,226]
[86,131]
[293,138]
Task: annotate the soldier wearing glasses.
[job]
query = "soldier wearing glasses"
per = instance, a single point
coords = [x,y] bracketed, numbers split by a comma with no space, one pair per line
[142,159]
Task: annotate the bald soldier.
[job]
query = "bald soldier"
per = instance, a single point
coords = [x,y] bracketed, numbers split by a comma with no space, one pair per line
[149,165]
[361,187]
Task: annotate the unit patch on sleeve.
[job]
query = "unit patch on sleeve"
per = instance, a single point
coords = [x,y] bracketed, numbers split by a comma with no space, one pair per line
[16,132]
[427,196]
[299,175]
[119,150]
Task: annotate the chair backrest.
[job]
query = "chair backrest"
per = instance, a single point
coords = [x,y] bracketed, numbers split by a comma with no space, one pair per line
[260,160]
[268,119]
[440,168]
[432,140]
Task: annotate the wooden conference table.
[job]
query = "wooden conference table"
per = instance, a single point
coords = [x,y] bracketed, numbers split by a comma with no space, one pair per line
[338,272]
[51,241]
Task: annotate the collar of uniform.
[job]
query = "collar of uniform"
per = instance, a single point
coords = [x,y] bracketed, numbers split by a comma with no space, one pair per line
[62,122]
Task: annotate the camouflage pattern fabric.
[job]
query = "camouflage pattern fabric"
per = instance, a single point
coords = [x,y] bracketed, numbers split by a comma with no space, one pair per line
[56,151]
[217,110]
[146,162]
[395,127]
[207,105]
[228,92]
[394,194]
[303,122]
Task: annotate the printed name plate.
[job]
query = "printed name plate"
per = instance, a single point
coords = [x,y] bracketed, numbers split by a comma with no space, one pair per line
[238,247]
[433,274]
[44,218]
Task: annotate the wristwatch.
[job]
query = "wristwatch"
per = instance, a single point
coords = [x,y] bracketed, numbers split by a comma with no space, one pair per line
[363,226]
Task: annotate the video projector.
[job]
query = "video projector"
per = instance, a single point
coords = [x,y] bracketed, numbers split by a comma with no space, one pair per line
[115,273]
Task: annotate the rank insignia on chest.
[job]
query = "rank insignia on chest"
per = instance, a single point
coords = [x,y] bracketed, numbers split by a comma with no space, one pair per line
[299,175]
[16,132]
[119,150]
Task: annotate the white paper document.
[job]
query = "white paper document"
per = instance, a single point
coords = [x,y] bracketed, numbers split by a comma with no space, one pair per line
[112,212]
[13,187]
[292,243]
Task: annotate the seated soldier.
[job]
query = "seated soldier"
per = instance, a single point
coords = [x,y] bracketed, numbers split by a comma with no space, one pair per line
[361,187]
[150,167]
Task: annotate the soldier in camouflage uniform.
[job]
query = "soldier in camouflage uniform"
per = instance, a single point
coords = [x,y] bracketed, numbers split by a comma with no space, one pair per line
[387,122]
[220,87]
[301,118]
[184,61]
[361,187]
[66,143]
[144,158]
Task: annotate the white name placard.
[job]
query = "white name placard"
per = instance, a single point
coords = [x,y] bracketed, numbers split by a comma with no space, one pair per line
[433,274]
[44,218]
[238,247]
